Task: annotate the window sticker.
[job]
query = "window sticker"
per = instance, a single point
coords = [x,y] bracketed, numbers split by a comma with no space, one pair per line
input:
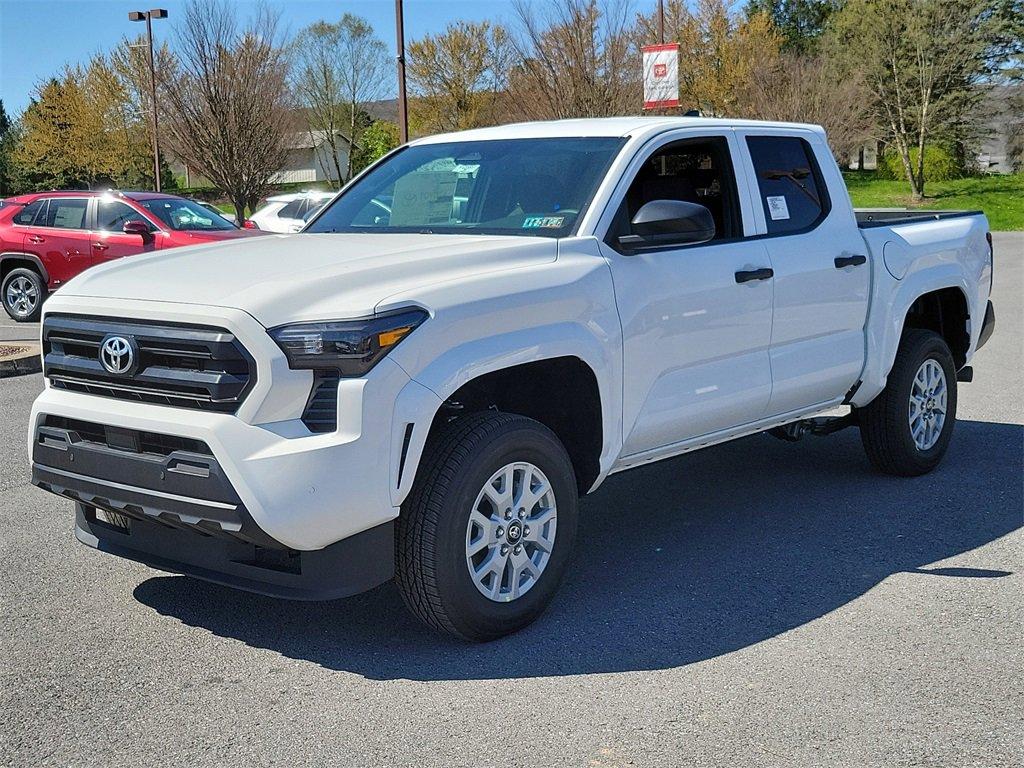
[545,222]
[777,207]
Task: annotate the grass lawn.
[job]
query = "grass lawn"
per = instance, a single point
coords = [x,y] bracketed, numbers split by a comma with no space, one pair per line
[1000,197]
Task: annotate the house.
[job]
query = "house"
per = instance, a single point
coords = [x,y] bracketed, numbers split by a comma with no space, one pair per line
[310,158]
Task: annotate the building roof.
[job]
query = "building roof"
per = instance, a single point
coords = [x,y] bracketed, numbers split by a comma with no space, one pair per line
[310,139]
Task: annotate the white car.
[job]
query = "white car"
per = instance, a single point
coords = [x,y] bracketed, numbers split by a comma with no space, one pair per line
[477,331]
[289,213]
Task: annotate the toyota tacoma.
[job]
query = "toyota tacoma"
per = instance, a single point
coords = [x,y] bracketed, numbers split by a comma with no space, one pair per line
[481,328]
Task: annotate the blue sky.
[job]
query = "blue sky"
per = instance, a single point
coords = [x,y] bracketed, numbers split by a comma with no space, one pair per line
[38,37]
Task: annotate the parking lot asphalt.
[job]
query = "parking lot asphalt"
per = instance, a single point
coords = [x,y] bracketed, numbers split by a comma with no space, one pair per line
[757,603]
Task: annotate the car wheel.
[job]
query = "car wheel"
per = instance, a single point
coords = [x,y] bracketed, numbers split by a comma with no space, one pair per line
[23,292]
[907,428]
[485,536]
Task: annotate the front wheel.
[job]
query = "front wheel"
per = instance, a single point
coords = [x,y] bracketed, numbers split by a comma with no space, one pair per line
[485,536]
[23,291]
[907,428]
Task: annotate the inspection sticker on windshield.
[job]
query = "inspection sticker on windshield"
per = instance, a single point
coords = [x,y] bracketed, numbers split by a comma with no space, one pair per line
[546,222]
[777,207]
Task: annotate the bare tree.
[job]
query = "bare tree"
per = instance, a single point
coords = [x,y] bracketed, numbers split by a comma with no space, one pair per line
[338,69]
[810,89]
[228,98]
[459,76]
[318,83]
[364,61]
[577,59]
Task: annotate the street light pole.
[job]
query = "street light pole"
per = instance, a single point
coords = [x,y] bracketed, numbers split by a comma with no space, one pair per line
[148,16]
[403,114]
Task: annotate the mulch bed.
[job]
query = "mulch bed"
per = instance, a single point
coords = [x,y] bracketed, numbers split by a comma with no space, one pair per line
[17,359]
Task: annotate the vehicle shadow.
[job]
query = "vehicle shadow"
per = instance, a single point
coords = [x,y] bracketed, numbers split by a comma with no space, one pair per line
[675,563]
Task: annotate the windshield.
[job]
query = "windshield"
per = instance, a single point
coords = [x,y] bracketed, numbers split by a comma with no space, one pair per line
[532,187]
[184,215]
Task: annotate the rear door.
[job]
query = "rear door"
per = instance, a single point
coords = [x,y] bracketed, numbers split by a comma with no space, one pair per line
[59,235]
[109,241]
[822,276]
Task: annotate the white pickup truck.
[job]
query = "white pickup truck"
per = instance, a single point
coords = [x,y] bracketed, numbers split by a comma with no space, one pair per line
[479,329]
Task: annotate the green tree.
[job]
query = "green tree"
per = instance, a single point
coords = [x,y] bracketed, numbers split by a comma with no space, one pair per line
[8,140]
[800,22]
[923,62]
[376,141]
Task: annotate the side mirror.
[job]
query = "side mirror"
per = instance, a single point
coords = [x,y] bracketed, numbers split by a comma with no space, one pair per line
[662,223]
[137,227]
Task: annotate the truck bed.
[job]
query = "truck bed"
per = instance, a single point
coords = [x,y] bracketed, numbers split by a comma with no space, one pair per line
[889,217]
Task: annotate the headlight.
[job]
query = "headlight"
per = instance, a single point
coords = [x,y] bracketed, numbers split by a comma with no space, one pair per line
[352,347]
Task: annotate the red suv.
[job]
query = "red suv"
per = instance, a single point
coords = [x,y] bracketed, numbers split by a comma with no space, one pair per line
[49,237]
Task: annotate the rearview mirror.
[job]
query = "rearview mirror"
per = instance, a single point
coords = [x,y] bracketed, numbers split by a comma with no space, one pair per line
[662,223]
[137,227]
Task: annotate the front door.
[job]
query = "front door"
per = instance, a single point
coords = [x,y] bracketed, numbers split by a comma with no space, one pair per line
[696,320]
[110,241]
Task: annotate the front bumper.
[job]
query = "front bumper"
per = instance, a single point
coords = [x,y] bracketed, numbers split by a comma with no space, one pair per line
[166,502]
[346,568]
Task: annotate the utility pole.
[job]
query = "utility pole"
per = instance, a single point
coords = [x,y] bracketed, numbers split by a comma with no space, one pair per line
[403,113]
[148,16]
[661,21]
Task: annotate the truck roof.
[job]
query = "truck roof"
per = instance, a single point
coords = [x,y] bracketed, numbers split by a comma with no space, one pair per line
[605,126]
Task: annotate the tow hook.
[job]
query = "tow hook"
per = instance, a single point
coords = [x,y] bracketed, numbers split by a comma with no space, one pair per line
[820,426]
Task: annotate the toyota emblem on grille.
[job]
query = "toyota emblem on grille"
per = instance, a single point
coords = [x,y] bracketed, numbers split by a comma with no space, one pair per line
[117,354]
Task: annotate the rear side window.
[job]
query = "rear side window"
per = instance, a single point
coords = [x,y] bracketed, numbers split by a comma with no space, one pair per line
[65,213]
[293,210]
[29,213]
[792,191]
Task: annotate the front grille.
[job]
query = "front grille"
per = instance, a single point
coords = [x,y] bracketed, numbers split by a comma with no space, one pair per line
[185,366]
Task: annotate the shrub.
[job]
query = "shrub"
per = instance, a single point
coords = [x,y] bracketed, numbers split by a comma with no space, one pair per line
[940,164]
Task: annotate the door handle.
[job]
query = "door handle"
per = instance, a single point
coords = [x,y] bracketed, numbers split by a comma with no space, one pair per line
[37,239]
[100,246]
[755,274]
[854,260]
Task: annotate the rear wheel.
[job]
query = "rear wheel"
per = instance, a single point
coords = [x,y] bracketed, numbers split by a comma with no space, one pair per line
[907,428]
[485,536]
[22,293]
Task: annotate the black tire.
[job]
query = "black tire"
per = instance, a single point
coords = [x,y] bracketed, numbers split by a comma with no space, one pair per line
[885,422]
[430,542]
[16,313]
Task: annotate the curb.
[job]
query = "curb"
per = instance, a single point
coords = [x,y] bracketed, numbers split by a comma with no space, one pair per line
[26,362]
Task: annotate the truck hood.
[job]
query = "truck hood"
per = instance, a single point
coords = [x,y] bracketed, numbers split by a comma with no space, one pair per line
[288,278]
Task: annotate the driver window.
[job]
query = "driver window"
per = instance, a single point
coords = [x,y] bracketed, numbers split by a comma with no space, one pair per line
[694,171]
[112,215]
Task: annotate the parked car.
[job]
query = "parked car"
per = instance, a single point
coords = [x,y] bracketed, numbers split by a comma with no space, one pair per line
[47,238]
[288,213]
[426,394]
[214,209]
